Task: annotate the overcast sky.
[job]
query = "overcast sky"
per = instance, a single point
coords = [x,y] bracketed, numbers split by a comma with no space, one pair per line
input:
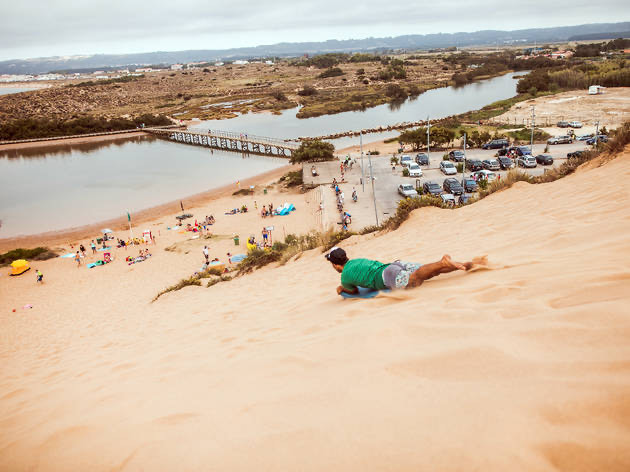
[40,28]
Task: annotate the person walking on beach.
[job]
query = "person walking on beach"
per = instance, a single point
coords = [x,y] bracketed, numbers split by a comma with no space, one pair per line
[376,275]
[82,248]
[93,246]
[77,258]
[265,235]
[40,276]
[206,254]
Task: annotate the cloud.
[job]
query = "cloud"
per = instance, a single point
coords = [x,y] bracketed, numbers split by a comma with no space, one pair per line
[64,27]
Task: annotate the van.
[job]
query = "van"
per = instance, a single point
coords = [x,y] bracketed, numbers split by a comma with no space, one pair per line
[496,144]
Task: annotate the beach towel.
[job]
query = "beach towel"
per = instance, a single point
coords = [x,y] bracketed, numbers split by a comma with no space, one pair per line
[106,248]
[238,257]
[68,256]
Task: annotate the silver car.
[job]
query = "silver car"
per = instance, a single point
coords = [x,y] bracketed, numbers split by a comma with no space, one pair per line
[526,161]
[407,190]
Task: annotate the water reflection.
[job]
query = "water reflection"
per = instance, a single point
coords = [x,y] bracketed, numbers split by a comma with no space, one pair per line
[69,149]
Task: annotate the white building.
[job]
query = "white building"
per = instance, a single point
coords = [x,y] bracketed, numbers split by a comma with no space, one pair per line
[177,67]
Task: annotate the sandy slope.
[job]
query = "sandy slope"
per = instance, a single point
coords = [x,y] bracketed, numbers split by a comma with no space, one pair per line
[522,367]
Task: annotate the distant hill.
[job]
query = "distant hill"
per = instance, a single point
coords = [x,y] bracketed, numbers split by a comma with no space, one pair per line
[408,42]
[595,36]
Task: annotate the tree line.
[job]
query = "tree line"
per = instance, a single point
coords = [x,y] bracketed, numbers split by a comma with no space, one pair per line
[31,128]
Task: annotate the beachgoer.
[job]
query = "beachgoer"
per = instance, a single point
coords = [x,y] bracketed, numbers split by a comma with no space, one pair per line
[40,276]
[205,253]
[354,195]
[93,246]
[321,206]
[378,276]
[82,248]
[77,258]
[265,235]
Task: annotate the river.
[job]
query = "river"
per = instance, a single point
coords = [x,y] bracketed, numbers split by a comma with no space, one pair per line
[53,188]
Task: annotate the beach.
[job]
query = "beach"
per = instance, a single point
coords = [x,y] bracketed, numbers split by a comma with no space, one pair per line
[522,365]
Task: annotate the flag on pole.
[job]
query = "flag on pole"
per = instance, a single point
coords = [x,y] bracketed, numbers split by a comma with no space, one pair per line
[128,217]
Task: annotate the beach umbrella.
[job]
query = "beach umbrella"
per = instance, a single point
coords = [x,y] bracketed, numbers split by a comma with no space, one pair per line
[106,231]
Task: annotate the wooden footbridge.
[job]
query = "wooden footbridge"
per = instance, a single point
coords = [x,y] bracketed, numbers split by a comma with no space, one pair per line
[237,142]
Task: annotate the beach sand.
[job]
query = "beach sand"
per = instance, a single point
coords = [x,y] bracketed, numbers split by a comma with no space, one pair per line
[521,366]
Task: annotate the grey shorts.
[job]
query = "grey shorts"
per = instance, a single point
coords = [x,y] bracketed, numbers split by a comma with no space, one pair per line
[396,275]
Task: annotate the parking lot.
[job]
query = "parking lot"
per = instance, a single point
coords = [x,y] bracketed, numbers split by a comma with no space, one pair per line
[386,181]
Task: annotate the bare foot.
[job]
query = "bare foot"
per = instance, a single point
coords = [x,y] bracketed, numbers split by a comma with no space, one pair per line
[448,262]
[476,262]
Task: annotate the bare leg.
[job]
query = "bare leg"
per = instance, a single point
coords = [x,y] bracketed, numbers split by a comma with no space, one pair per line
[428,271]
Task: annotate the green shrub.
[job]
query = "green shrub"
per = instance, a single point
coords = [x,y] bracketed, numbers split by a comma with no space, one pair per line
[194,280]
[243,191]
[332,72]
[313,151]
[460,168]
[405,172]
[293,179]
[307,91]
[36,254]
[256,259]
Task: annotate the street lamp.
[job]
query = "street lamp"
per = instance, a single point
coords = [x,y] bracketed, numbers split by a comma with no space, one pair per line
[531,144]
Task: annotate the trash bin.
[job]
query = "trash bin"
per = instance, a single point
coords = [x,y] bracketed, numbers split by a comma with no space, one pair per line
[265,191]
[236,241]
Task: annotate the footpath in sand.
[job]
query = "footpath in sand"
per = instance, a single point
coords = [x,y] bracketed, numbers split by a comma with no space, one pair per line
[522,367]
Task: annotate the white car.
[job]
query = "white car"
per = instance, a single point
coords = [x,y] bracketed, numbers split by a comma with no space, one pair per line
[405,160]
[448,199]
[414,170]
[526,161]
[448,168]
[484,175]
[575,124]
[407,190]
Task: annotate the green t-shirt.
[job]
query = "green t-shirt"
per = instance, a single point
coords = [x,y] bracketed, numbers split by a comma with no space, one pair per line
[363,273]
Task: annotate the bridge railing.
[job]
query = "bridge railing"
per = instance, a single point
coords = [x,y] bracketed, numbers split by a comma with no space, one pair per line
[251,138]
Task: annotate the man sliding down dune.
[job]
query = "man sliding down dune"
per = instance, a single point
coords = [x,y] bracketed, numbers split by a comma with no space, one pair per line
[397,275]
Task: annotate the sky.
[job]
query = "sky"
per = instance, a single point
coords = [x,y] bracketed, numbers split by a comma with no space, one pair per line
[42,28]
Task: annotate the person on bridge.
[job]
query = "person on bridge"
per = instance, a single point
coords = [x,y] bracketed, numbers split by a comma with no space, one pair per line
[376,275]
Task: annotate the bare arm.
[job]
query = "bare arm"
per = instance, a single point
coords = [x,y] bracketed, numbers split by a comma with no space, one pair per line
[341,289]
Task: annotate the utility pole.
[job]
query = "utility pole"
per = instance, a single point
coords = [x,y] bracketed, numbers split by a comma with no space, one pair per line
[595,138]
[531,146]
[464,168]
[362,172]
[373,193]
[428,139]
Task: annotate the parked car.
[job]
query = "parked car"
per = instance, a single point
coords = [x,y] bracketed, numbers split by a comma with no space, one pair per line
[566,139]
[464,199]
[544,159]
[470,185]
[562,124]
[602,138]
[575,124]
[584,137]
[407,190]
[474,164]
[526,161]
[405,160]
[414,170]
[496,144]
[457,156]
[453,186]
[483,175]
[448,168]
[575,153]
[448,199]
[491,164]
[505,163]
[422,159]
[517,150]
[431,188]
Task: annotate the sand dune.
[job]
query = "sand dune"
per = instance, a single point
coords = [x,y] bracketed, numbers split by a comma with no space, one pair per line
[524,366]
